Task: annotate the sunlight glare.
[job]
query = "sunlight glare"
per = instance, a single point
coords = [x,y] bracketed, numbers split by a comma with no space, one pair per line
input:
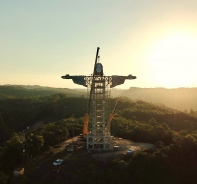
[173,61]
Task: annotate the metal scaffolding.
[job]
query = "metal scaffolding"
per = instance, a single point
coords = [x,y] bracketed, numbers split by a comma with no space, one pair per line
[97,120]
[97,137]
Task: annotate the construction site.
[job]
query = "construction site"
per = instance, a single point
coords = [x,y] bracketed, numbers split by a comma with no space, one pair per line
[95,146]
[97,120]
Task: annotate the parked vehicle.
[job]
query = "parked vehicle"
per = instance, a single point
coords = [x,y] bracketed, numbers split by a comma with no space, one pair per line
[130,151]
[58,162]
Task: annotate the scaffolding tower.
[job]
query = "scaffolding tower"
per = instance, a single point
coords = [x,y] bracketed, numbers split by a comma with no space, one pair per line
[97,137]
[96,124]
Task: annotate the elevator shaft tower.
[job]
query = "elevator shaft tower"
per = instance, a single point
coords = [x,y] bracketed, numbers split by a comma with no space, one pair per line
[96,128]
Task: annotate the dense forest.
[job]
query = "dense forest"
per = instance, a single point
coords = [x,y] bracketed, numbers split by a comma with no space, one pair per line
[38,122]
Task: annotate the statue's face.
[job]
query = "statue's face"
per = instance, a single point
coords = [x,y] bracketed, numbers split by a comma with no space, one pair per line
[99,67]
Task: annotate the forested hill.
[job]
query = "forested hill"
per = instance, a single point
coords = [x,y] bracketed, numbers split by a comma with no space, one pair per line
[172,132]
[19,113]
[176,98]
[20,91]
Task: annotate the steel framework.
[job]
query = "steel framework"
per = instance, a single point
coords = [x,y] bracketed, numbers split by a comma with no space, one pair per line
[96,123]
[97,137]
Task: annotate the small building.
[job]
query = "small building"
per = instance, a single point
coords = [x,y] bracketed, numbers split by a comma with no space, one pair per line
[70,148]
[116,147]
[19,171]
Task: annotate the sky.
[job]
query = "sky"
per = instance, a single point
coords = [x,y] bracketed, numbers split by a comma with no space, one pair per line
[155,40]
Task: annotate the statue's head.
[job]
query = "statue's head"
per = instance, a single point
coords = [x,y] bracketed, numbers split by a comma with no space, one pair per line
[98,69]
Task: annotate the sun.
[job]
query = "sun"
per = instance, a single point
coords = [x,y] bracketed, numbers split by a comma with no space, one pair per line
[173,61]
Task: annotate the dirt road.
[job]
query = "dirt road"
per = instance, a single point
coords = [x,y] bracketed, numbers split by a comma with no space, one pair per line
[121,148]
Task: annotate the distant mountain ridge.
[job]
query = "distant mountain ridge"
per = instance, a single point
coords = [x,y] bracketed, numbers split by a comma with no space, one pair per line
[176,98]
[20,91]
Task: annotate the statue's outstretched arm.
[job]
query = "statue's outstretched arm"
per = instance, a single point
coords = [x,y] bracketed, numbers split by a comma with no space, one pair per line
[77,79]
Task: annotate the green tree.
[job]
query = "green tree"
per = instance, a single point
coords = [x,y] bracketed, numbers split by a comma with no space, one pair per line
[13,152]
[3,178]
[33,144]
